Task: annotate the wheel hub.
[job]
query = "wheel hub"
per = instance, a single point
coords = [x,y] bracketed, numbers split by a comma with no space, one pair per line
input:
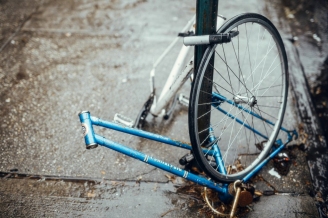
[239,99]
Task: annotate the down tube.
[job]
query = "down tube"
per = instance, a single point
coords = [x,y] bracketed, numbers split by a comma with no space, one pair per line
[160,164]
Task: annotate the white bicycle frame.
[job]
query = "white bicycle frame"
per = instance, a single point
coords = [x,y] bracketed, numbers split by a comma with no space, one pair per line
[180,72]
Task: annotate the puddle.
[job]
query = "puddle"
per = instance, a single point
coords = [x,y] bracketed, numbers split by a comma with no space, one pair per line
[86,196]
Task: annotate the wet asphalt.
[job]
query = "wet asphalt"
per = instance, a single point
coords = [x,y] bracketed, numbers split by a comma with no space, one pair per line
[61,57]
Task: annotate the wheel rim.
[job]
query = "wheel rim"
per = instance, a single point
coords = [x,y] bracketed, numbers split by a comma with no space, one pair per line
[251,71]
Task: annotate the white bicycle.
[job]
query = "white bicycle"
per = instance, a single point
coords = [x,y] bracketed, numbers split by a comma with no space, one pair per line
[181,71]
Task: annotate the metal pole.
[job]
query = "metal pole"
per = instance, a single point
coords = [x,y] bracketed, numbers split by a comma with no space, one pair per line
[206,19]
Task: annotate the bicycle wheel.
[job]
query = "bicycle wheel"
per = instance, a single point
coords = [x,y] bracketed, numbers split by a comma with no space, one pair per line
[238,99]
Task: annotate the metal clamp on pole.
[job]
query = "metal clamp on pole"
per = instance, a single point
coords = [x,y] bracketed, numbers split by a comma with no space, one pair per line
[209,39]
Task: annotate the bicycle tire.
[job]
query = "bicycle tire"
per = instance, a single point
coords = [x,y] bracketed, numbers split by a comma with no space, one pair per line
[250,72]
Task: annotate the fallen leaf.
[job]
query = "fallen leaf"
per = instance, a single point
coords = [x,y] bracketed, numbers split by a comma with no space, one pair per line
[91,195]
[171,177]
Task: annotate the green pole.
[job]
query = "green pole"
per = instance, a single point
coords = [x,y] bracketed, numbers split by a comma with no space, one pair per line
[206,17]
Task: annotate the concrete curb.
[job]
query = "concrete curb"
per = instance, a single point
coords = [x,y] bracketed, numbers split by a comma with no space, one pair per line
[310,132]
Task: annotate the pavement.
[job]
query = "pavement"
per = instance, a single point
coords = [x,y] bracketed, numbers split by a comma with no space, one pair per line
[61,57]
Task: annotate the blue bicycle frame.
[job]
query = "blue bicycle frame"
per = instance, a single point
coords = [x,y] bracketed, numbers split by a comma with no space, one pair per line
[92,140]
